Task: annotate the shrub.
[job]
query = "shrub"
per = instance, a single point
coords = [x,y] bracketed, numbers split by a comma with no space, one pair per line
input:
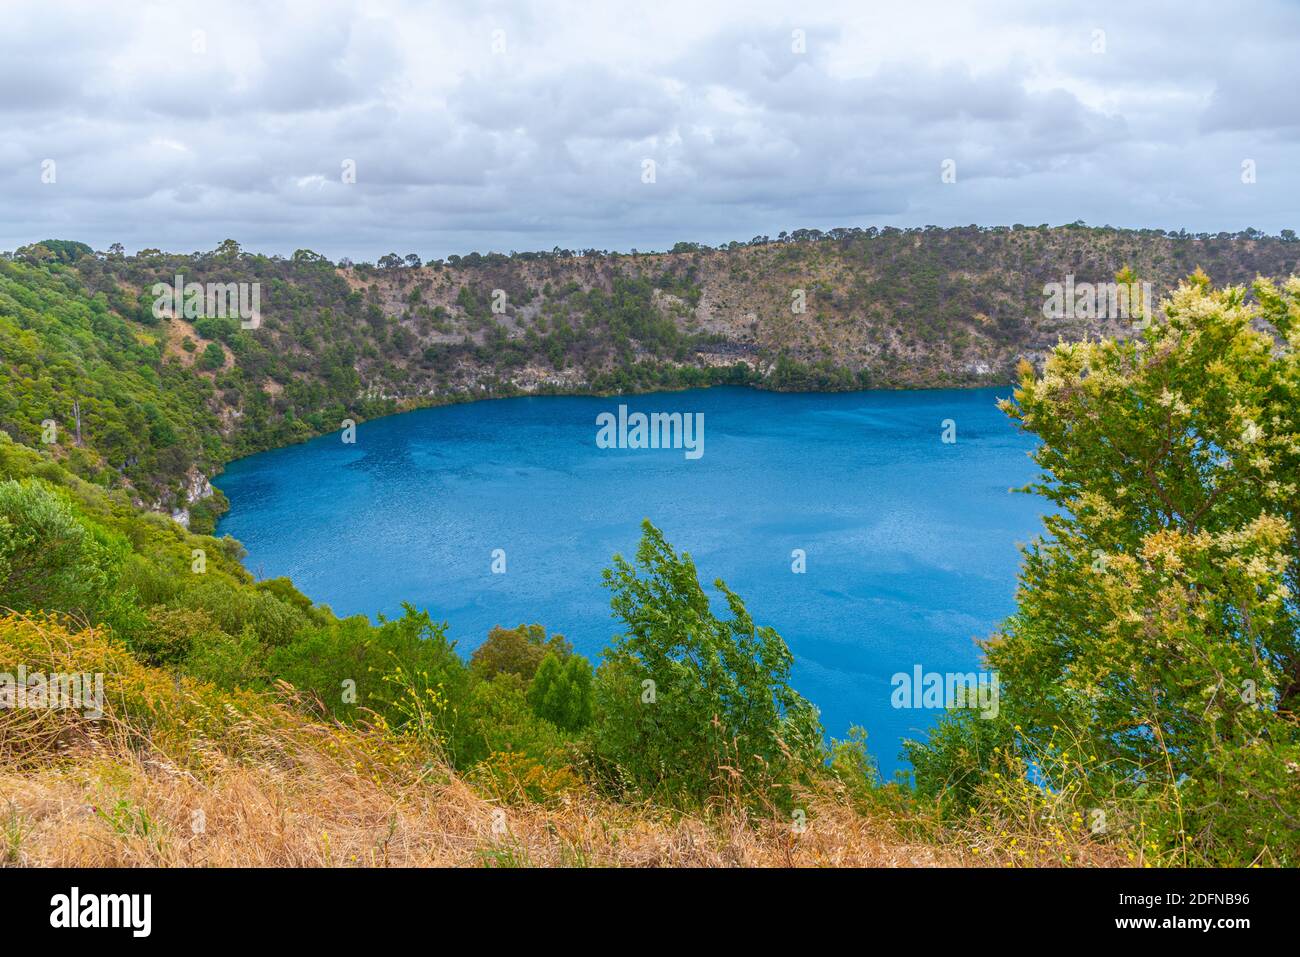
[235,607]
[1157,633]
[561,691]
[958,756]
[501,720]
[517,651]
[687,705]
[405,672]
[213,357]
[49,558]
[227,661]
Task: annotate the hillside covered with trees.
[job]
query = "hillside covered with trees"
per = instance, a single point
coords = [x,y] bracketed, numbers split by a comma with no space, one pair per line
[153,402]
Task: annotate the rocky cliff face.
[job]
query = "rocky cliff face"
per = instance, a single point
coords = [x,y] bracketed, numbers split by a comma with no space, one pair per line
[897,309]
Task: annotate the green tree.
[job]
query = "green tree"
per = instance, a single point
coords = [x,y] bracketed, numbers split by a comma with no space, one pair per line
[1155,656]
[406,671]
[686,704]
[561,691]
[213,357]
[517,651]
[49,559]
[502,720]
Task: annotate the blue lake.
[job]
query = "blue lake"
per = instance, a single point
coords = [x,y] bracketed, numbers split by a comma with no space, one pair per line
[911,543]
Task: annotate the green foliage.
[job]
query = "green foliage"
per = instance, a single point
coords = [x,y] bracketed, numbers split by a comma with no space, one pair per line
[517,651]
[48,557]
[503,721]
[1155,651]
[561,691]
[852,765]
[221,328]
[959,758]
[60,250]
[234,607]
[346,666]
[67,354]
[226,660]
[686,704]
[284,590]
[213,357]
[170,635]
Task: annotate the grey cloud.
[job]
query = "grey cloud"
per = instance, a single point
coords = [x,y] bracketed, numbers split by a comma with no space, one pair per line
[543,145]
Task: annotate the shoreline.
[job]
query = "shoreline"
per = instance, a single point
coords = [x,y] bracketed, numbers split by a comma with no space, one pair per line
[453,399]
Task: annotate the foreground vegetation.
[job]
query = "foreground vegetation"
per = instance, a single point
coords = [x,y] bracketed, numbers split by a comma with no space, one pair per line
[1149,677]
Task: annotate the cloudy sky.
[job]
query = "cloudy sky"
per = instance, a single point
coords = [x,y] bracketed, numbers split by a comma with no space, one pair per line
[525,125]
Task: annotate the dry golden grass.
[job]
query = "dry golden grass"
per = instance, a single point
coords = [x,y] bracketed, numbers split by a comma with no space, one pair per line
[260,819]
[180,774]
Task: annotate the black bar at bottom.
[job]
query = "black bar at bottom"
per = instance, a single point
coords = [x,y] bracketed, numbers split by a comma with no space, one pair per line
[371,907]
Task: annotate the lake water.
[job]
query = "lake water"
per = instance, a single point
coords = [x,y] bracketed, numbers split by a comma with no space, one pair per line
[910,541]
